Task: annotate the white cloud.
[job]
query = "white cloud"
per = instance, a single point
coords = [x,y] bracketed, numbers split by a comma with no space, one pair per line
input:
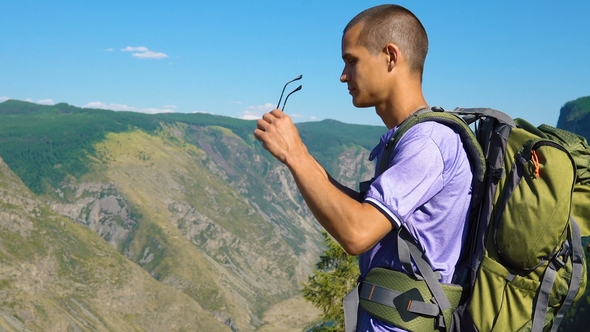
[150,55]
[155,110]
[101,105]
[110,49]
[45,101]
[143,52]
[123,107]
[3,98]
[29,100]
[135,49]
[256,111]
[170,106]
[248,116]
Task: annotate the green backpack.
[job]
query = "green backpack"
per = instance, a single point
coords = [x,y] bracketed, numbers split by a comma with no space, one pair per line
[523,265]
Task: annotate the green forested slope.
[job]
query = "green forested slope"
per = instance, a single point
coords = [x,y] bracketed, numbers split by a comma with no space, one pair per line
[192,199]
[575,116]
[44,143]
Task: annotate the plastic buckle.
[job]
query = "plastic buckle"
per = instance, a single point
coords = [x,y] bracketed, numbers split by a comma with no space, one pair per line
[440,321]
[559,263]
[389,143]
[498,173]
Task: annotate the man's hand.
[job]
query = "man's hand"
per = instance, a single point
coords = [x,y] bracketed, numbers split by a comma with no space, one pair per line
[356,226]
[280,137]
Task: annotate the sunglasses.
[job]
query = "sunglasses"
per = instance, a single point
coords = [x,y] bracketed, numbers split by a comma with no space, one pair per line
[290,93]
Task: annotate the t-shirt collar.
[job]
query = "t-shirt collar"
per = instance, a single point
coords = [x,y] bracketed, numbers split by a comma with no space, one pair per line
[384,139]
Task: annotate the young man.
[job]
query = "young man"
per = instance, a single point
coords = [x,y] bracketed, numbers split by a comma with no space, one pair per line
[427,186]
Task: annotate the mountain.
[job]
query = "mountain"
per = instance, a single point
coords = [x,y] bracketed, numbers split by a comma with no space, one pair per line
[575,116]
[189,204]
[57,275]
[122,221]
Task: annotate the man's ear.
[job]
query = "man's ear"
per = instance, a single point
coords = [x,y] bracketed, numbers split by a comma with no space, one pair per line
[393,54]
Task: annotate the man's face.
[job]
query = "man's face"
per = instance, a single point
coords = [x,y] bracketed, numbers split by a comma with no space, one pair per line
[364,73]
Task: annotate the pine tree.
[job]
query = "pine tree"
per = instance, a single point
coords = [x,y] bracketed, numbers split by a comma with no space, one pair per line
[335,275]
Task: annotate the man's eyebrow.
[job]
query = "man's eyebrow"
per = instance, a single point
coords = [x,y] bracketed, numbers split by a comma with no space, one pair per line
[347,56]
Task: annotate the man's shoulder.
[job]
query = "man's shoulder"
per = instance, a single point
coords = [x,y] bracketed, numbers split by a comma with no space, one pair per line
[432,129]
[443,136]
[431,137]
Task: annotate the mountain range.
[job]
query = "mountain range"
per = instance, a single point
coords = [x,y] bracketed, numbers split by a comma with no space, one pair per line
[122,221]
[104,210]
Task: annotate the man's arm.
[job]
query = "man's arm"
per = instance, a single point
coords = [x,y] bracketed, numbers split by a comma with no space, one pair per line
[356,226]
[348,191]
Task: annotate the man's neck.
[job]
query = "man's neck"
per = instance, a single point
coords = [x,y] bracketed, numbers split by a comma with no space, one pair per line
[395,113]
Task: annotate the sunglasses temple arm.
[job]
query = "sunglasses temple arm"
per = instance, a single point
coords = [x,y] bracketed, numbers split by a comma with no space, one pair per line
[282,92]
[279,103]
[292,92]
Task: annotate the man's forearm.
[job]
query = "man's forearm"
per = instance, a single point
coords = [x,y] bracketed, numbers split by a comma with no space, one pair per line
[321,192]
[348,191]
[356,226]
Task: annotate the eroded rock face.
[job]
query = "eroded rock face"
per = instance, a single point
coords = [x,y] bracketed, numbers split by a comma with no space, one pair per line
[259,272]
[354,166]
[23,208]
[100,207]
[57,275]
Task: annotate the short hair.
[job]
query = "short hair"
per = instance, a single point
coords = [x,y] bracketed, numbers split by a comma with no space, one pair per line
[393,24]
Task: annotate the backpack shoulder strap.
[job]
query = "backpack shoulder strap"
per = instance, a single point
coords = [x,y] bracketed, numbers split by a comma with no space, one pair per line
[453,120]
[394,139]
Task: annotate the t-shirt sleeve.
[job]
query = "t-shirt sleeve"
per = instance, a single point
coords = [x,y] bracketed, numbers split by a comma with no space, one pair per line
[415,175]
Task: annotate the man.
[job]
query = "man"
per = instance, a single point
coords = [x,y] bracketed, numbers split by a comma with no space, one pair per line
[427,186]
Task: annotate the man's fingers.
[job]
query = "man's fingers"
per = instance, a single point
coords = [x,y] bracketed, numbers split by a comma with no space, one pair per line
[257,133]
[262,124]
[277,113]
[270,117]
[267,124]
[277,134]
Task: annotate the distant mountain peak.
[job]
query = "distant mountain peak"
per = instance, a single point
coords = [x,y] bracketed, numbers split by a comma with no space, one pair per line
[575,116]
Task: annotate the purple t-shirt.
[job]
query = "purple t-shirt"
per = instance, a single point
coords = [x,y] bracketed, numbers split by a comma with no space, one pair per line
[426,189]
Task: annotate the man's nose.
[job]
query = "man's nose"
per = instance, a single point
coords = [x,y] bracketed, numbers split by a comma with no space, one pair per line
[343,77]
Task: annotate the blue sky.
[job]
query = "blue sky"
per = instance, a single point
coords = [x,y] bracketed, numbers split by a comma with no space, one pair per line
[232,58]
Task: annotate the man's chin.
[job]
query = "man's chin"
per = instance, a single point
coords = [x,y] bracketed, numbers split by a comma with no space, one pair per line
[360,104]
